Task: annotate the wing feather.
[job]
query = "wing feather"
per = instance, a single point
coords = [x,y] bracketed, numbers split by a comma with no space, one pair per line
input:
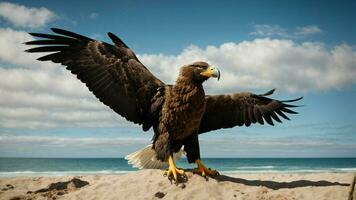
[258,115]
[275,117]
[280,113]
[251,115]
[111,72]
[227,111]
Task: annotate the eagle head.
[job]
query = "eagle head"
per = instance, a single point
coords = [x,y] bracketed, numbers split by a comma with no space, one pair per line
[199,71]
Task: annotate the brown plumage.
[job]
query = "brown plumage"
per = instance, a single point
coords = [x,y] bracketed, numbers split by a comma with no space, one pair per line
[177,113]
[182,110]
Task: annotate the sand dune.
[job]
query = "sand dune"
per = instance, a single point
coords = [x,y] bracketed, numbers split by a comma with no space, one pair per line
[150,184]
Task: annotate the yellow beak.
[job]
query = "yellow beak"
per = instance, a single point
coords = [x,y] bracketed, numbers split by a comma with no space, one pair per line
[211,72]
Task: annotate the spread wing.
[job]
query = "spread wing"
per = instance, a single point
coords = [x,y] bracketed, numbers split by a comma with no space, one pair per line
[227,111]
[111,72]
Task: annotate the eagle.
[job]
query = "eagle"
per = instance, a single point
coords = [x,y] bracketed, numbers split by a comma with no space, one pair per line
[177,113]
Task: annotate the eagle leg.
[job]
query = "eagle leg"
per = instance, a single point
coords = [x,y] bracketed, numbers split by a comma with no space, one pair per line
[201,169]
[173,170]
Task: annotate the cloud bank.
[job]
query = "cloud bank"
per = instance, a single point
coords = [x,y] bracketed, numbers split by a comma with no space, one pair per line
[42,94]
[266,63]
[274,30]
[25,17]
[45,95]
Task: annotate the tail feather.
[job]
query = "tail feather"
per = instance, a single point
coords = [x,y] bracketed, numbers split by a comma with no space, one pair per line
[146,159]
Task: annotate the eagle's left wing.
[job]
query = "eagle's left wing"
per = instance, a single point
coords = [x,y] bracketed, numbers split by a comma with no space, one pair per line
[227,111]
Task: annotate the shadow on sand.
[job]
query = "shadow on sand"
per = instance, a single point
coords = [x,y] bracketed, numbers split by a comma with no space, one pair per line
[278,185]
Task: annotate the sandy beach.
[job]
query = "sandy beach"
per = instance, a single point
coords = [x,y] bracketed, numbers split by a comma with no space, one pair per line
[151,184]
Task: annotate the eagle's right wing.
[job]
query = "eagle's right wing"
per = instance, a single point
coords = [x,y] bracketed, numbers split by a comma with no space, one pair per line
[111,72]
[227,111]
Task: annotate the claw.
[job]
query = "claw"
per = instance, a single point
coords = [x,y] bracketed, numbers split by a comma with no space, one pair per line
[173,173]
[202,170]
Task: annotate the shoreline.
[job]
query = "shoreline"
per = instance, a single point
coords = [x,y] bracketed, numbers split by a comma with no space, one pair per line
[32,174]
[151,184]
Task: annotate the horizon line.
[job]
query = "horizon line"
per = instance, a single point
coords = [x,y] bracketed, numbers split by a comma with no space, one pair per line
[182,158]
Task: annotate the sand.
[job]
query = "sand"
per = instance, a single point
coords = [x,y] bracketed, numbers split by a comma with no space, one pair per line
[151,184]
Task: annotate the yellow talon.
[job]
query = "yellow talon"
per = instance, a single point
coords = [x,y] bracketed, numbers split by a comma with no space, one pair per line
[173,170]
[204,170]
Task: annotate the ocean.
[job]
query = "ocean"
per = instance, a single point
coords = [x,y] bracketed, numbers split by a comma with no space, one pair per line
[10,167]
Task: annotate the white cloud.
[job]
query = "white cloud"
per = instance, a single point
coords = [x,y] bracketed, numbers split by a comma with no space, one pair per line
[266,63]
[93,15]
[274,30]
[268,30]
[12,49]
[70,141]
[308,30]
[44,95]
[25,17]
[40,98]
[33,118]
[41,80]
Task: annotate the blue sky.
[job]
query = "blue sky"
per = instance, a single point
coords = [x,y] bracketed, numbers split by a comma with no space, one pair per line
[301,48]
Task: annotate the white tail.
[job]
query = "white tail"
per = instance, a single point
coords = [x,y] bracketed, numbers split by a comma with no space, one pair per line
[146,158]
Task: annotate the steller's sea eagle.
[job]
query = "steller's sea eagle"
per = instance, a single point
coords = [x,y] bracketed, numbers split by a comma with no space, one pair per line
[177,113]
